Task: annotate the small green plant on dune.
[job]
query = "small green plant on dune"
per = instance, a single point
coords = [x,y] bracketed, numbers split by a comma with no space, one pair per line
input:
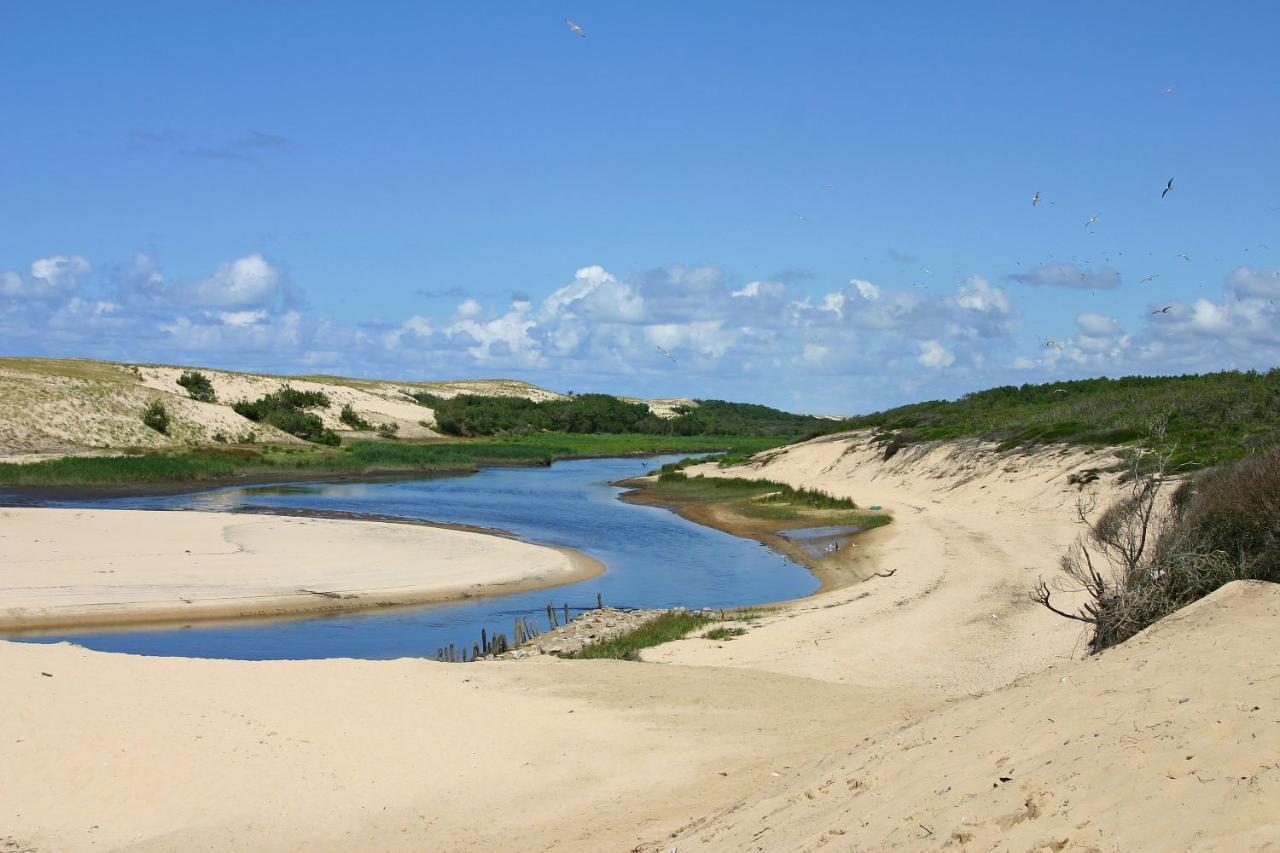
[670,626]
[351,418]
[198,386]
[388,429]
[156,416]
[724,633]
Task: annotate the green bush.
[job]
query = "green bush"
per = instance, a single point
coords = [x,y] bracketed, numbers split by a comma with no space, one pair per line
[198,386]
[156,416]
[283,410]
[388,429]
[351,418]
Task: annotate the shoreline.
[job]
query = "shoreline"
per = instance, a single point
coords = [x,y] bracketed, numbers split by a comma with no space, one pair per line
[851,565]
[164,601]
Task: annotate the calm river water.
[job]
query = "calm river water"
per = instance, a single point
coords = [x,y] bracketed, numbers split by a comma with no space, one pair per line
[653,557]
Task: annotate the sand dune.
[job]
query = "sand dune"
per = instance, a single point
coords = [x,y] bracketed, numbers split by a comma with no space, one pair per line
[935,709]
[75,568]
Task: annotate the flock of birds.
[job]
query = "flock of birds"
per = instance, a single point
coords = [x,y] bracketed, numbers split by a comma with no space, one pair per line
[1035,201]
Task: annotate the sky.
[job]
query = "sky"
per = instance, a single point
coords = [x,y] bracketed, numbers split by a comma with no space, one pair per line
[825,207]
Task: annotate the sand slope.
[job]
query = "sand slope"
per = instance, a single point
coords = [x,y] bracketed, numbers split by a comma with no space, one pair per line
[973,530]
[1168,742]
[65,567]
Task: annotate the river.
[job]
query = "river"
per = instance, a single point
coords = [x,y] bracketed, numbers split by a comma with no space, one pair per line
[653,558]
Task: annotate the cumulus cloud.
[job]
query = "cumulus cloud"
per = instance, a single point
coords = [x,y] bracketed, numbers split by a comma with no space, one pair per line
[1069,275]
[244,282]
[934,354]
[1250,283]
[866,289]
[52,277]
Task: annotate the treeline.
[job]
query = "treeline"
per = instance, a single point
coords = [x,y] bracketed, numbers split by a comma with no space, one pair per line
[1206,418]
[474,415]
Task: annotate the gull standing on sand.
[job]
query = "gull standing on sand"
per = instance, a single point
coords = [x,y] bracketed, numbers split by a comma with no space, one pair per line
[1167,187]
[577,29]
[667,354]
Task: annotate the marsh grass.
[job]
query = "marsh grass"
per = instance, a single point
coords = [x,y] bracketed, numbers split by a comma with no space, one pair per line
[677,484]
[266,460]
[723,633]
[674,625]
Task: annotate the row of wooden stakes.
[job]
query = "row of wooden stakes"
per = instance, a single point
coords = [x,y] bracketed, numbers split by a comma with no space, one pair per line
[523,631]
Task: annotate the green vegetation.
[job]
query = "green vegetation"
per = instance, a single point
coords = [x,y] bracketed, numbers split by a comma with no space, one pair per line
[284,410]
[1143,557]
[156,416]
[389,429]
[723,633]
[264,461]
[198,386]
[351,418]
[1210,418]
[473,415]
[663,629]
[677,484]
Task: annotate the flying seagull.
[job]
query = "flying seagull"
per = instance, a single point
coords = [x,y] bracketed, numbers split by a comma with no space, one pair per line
[1035,199]
[1092,219]
[1151,277]
[1053,344]
[1167,187]
[1184,257]
[577,29]
[1169,91]
[1164,310]
[667,354]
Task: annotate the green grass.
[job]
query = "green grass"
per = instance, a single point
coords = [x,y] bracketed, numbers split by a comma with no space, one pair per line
[665,628]
[1208,418]
[677,485]
[724,633]
[224,463]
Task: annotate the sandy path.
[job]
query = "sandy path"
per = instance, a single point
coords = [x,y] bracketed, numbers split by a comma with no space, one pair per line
[65,567]
[972,532]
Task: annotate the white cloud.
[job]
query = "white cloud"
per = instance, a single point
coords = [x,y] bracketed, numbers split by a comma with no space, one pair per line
[934,354]
[243,283]
[1250,283]
[1097,325]
[978,295]
[866,289]
[53,277]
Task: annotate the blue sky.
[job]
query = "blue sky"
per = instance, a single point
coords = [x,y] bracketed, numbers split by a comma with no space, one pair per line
[822,206]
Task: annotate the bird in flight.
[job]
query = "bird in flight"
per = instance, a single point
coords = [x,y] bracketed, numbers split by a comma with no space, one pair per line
[1035,199]
[1169,91]
[1184,257]
[1052,344]
[1164,310]
[1092,219]
[1167,187]
[667,354]
[577,29]
[1151,277]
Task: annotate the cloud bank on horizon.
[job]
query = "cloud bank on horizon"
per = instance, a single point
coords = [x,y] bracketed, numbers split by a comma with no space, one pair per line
[604,331]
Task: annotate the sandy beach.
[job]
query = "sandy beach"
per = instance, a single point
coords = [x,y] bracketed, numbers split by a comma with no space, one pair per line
[932,709]
[77,568]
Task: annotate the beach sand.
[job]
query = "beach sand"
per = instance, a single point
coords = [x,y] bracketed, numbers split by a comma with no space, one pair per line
[67,568]
[932,709]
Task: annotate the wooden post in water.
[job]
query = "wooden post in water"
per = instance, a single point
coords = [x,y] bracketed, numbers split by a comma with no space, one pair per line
[599,602]
[566,613]
[484,642]
[551,617]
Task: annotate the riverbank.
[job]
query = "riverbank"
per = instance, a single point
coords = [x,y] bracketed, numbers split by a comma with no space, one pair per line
[857,539]
[71,568]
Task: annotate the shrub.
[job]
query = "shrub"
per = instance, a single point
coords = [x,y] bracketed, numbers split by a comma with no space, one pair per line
[351,418]
[284,411]
[1144,557]
[156,416]
[198,386]
[388,429]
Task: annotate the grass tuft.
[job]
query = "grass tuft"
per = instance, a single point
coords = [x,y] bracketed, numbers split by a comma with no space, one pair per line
[665,628]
